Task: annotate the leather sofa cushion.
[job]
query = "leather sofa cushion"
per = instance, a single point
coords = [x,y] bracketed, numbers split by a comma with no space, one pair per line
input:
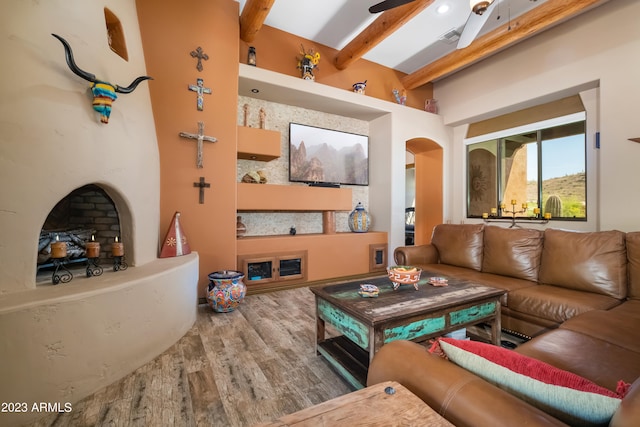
[633,257]
[592,262]
[615,327]
[512,252]
[557,304]
[459,244]
[600,361]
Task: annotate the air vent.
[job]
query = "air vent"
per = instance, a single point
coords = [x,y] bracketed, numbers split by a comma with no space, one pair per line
[451,36]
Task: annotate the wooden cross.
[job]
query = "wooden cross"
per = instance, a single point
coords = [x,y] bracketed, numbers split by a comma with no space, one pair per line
[201,185]
[198,53]
[201,91]
[200,137]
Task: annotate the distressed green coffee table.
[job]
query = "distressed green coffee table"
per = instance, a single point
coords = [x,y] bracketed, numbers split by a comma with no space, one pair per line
[366,324]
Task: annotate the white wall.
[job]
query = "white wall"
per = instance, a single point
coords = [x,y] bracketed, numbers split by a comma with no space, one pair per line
[597,49]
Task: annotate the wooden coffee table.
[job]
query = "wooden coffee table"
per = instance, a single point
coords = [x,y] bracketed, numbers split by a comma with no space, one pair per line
[385,404]
[366,324]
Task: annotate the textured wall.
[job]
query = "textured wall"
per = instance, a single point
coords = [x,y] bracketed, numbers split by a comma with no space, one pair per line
[278,117]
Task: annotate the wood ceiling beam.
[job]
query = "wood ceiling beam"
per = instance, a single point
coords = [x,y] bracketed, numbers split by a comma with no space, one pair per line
[252,17]
[385,25]
[543,17]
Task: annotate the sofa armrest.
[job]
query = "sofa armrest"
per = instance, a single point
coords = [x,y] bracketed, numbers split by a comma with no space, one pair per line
[416,255]
[628,414]
[461,397]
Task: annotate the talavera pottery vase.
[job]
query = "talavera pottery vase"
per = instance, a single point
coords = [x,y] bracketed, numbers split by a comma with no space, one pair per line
[226,290]
[359,219]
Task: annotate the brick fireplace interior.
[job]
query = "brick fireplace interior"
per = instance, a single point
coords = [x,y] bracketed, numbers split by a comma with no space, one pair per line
[84,214]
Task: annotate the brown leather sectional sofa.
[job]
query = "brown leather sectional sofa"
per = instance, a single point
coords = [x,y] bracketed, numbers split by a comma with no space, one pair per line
[576,293]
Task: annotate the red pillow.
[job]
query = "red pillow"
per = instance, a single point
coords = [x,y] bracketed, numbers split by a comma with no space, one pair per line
[565,395]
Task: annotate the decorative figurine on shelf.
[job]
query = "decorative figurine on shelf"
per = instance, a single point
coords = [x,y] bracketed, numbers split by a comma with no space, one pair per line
[251,56]
[104,93]
[400,99]
[241,229]
[263,118]
[292,230]
[255,177]
[246,114]
[175,241]
[431,106]
[308,63]
[360,87]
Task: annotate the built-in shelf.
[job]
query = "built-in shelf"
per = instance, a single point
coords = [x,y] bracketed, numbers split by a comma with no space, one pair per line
[269,197]
[258,144]
[328,256]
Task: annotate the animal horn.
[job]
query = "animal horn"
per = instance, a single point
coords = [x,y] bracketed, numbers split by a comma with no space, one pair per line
[72,64]
[133,85]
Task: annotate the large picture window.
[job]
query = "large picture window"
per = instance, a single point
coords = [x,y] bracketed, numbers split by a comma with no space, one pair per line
[535,171]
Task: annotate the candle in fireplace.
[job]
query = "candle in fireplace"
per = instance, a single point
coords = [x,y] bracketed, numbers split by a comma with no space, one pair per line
[93,248]
[117,248]
[58,248]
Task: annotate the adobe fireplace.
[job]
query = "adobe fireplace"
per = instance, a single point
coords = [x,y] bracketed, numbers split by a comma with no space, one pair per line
[63,342]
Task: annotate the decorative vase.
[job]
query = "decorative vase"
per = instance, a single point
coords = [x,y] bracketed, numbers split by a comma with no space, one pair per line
[431,106]
[241,229]
[226,290]
[359,219]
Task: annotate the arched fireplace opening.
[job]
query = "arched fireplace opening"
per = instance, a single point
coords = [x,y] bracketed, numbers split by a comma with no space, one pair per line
[85,214]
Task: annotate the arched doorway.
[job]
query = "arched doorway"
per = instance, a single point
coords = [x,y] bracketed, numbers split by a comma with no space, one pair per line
[428,158]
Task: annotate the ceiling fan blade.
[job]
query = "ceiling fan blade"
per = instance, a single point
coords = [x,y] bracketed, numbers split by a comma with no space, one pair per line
[387,4]
[473,27]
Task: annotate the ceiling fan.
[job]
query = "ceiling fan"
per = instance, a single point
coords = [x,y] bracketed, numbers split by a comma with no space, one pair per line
[475,22]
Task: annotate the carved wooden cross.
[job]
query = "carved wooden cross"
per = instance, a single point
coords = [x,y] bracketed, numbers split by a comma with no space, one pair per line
[198,53]
[200,137]
[201,91]
[202,185]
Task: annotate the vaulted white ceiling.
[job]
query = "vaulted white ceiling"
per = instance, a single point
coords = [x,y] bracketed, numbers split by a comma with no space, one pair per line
[419,42]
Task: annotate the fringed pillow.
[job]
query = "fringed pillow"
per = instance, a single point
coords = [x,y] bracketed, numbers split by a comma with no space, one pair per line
[570,398]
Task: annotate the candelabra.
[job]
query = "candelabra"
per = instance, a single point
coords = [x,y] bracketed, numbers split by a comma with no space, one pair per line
[511,217]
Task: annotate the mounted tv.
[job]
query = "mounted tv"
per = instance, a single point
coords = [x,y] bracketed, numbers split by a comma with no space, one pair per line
[327,157]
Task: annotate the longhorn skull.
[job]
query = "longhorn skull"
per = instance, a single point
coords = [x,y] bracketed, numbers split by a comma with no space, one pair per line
[104,93]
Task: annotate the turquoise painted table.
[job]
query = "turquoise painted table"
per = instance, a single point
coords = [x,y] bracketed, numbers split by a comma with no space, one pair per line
[366,324]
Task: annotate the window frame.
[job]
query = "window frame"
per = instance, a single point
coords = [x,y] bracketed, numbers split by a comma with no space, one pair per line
[519,130]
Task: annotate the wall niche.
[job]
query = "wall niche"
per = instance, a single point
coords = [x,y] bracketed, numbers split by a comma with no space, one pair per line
[277,117]
[115,34]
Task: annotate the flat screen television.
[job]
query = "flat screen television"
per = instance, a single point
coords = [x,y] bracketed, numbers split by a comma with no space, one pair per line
[324,156]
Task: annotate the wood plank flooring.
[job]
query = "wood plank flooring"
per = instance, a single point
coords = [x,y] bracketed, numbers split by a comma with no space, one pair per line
[249,366]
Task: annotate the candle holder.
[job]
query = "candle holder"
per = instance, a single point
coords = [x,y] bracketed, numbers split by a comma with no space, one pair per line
[93,267]
[536,218]
[119,263]
[61,273]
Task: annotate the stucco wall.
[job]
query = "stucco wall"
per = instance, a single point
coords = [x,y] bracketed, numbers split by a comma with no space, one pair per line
[583,53]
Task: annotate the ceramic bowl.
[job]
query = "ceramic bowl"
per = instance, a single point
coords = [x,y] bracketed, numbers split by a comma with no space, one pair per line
[404,275]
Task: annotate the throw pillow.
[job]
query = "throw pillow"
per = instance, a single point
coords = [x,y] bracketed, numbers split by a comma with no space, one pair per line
[566,396]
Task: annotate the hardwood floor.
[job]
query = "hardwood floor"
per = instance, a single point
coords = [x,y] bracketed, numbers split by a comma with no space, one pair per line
[252,365]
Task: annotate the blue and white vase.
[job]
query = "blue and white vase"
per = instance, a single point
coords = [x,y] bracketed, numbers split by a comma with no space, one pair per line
[359,219]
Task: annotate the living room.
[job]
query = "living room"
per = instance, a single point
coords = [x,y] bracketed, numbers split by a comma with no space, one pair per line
[53,144]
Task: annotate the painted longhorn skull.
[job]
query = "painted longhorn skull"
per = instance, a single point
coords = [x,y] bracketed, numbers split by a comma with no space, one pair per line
[104,93]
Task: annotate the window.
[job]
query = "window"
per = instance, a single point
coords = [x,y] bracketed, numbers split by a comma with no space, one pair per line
[532,170]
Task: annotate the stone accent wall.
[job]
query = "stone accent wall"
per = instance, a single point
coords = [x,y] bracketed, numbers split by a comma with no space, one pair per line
[278,117]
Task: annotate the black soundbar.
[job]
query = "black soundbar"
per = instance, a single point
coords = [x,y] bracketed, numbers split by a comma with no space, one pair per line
[324,184]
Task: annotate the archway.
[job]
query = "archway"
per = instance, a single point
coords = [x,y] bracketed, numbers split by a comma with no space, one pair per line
[428,178]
